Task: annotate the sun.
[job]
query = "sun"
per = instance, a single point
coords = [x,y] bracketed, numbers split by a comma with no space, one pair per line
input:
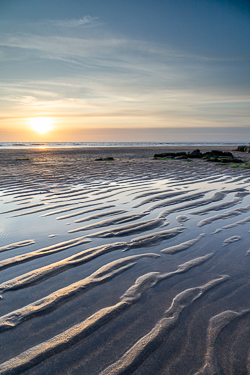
[41,124]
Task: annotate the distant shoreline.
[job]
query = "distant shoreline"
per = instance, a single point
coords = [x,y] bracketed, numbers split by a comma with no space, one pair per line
[77,145]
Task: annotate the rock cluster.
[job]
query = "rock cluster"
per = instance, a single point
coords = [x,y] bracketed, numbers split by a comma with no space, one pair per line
[214,156]
[243,149]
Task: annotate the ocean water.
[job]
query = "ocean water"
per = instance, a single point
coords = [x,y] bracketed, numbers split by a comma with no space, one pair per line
[20,145]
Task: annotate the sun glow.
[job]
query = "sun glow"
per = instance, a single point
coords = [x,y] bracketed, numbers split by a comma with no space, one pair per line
[41,124]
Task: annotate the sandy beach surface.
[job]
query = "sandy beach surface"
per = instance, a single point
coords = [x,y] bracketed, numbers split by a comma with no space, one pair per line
[131,266]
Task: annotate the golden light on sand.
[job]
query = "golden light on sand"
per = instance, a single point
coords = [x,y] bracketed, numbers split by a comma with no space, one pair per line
[41,124]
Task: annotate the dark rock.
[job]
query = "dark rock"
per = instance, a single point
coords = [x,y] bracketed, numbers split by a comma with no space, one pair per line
[109,158]
[171,155]
[164,155]
[195,154]
[241,148]
[227,153]
[180,154]
[218,153]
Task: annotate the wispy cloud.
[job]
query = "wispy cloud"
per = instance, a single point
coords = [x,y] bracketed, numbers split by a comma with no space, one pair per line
[59,47]
[84,21]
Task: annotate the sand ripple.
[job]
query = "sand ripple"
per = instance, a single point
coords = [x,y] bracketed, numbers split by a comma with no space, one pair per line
[60,342]
[147,344]
[16,245]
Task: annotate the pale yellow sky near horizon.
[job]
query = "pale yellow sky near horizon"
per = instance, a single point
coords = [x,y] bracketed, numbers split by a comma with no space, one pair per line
[67,133]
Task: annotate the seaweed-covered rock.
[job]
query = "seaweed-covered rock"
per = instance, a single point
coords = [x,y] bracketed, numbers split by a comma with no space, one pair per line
[237,160]
[219,156]
[227,160]
[213,156]
[109,158]
[243,149]
[171,155]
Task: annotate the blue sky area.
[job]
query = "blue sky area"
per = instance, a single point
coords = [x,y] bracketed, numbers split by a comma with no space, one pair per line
[125,70]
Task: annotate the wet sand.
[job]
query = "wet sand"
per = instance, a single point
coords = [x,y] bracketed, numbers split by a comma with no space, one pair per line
[132,266]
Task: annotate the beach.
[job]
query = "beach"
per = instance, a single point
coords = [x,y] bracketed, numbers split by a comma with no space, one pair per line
[125,265]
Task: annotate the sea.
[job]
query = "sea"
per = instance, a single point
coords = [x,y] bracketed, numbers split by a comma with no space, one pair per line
[19,145]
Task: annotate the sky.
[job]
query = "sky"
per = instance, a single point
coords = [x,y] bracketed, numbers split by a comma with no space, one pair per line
[125,70]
